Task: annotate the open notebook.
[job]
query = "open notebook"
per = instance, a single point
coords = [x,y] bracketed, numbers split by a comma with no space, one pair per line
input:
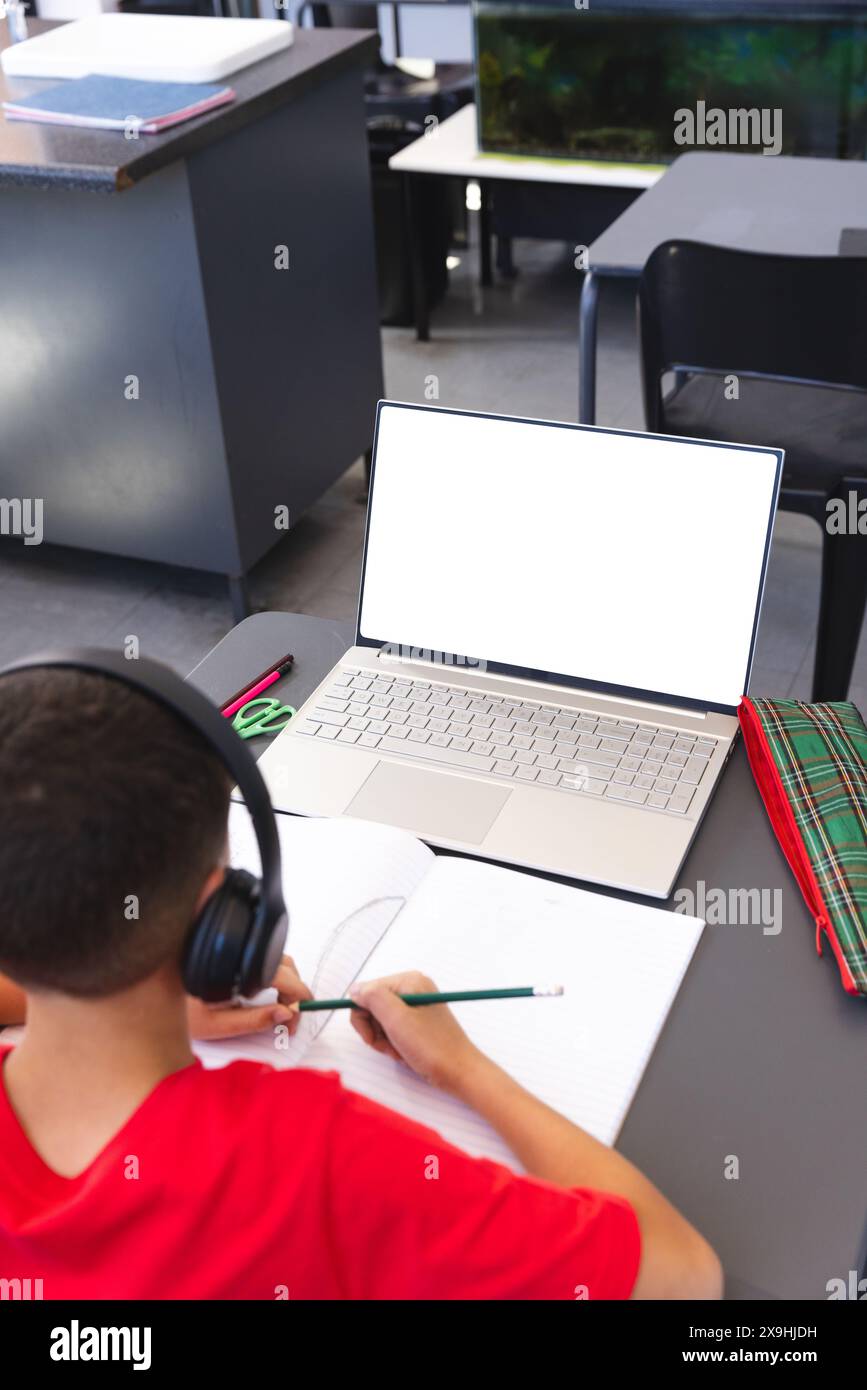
[367,900]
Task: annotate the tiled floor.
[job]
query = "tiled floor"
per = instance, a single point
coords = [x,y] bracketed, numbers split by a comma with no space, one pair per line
[514,350]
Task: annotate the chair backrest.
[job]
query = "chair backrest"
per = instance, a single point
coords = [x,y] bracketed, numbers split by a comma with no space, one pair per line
[796,318]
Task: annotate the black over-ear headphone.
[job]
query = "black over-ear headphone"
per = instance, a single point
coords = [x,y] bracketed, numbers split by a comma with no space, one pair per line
[234,946]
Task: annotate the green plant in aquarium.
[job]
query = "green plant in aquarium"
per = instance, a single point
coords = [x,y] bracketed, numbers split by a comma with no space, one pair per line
[579,85]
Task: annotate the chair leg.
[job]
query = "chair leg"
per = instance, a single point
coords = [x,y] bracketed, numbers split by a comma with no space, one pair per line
[843,600]
[588,313]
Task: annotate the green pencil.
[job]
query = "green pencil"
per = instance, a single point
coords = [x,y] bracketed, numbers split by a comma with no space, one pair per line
[455,996]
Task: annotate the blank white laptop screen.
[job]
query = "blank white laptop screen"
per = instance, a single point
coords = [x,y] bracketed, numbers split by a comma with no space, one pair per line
[624,559]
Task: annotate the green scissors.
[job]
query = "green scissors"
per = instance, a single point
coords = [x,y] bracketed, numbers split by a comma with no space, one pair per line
[264,715]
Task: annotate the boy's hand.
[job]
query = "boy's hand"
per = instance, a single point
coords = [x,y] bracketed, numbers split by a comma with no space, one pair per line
[209,1021]
[428,1038]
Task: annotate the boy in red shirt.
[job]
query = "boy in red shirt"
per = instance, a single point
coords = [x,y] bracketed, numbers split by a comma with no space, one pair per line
[128,1171]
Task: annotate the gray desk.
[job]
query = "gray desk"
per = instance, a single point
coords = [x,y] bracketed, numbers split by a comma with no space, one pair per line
[154,258]
[746,202]
[763,1056]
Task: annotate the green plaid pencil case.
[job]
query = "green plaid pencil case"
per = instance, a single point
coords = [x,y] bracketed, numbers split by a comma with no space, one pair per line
[810,765]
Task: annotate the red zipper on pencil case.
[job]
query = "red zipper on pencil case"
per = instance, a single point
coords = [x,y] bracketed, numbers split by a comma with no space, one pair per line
[779,809]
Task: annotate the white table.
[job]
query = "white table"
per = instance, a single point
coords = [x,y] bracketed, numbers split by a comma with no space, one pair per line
[451,149]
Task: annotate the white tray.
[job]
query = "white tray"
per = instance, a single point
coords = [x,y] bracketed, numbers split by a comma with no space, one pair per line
[159,48]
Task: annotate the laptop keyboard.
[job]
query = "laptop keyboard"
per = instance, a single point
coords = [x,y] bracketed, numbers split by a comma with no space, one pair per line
[511,740]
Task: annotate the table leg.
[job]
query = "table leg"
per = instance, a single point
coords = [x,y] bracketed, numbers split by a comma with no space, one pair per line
[504,260]
[415,232]
[484,236]
[587,321]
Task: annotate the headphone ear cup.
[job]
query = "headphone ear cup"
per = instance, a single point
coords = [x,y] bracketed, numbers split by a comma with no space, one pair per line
[215,947]
[263,954]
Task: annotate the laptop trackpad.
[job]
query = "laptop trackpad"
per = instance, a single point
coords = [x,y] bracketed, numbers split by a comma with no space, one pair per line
[428,803]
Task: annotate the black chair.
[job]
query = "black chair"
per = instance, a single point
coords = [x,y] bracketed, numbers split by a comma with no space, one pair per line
[792,331]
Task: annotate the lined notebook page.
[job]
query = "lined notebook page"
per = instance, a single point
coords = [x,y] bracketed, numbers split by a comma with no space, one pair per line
[344,884]
[472,925]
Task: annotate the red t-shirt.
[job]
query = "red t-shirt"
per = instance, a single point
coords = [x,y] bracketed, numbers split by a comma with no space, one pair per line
[253,1183]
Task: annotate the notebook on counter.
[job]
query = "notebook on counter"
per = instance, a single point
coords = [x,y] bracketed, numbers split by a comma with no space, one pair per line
[119,103]
[367,900]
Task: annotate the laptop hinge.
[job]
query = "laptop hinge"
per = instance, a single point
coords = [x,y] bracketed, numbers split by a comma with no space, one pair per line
[409,656]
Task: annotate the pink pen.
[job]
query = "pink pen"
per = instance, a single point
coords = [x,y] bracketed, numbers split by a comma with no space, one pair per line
[259,685]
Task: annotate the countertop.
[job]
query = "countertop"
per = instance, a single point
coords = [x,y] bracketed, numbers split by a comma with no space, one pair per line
[69,157]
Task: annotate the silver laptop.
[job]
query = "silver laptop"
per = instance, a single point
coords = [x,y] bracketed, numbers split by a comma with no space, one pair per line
[555,626]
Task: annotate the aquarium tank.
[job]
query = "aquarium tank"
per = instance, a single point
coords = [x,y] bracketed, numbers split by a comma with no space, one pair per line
[605,81]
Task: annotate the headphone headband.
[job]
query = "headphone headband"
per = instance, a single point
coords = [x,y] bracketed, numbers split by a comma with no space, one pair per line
[189,704]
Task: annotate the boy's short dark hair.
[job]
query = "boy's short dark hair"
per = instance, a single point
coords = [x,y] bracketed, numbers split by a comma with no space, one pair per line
[112,812]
